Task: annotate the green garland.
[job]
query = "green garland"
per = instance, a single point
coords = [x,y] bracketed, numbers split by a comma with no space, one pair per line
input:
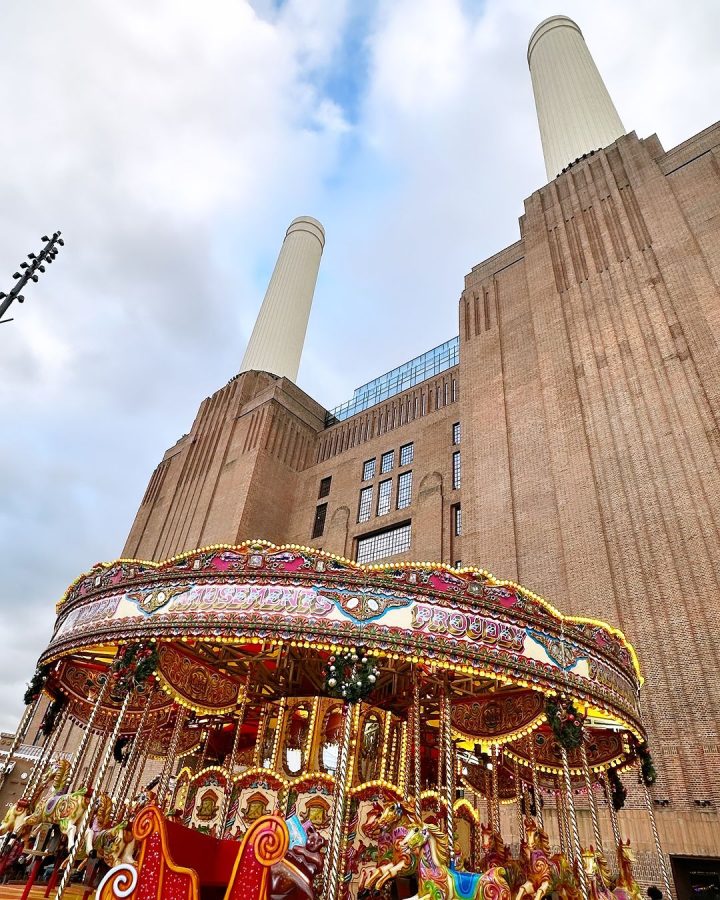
[618,791]
[566,722]
[37,683]
[350,675]
[133,666]
[647,766]
[51,714]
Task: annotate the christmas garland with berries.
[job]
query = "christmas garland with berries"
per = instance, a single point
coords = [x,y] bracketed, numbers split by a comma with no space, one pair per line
[566,722]
[350,675]
[49,720]
[618,791]
[647,766]
[133,666]
[37,683]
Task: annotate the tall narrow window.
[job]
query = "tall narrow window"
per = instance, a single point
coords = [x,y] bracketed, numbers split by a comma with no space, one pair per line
[384,492]
[387,461]
[365,505]
[324,487]
[457,520]
[456,433]
[407,452]
[368,469]
[456,469]
[319,523]
[404,490]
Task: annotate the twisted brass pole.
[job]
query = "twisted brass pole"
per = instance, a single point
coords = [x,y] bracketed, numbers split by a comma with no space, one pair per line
[591,798]
[449,755]
[519,788]
[417,776]
[656,836]
[535,782]
[562,833]
[574,831]
[170,757]
[495,788]
[231,763]
[20,732]
[121,788]
[45,755]
[613,814]
[332,857]
[82,747]
[79,836]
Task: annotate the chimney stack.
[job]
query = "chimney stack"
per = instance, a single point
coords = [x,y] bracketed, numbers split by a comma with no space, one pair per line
[574,109]
[276,342]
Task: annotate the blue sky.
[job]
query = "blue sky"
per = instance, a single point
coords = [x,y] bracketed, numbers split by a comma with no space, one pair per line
[173,142]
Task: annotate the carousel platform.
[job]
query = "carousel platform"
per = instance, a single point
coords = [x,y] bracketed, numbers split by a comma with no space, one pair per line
[15,891]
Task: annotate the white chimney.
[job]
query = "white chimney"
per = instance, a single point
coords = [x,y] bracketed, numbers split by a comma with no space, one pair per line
[276,342]
[574,109]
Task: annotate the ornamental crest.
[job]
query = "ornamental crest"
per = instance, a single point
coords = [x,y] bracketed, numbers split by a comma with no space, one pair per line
[498,714]
[154,600]
[363,606]
[200,685]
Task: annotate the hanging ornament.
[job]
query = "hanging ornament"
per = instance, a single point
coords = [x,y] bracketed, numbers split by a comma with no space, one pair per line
[351,675]
[566,722]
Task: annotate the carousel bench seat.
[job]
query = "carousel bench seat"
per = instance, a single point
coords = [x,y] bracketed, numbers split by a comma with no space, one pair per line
[180,863]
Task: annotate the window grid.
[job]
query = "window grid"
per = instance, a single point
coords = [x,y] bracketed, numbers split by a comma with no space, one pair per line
[368,469]
[404,490]
[319,523]
[407,452]
[385,543]
[365,505]
[324,487]
[384,492]
[387,461]
[456,469]
[457,520]
[456,433]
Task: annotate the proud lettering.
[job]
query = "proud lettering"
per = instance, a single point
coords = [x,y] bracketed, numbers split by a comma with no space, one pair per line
[468,626]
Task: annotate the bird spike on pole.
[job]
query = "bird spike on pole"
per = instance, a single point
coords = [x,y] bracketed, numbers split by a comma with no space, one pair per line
[30,271]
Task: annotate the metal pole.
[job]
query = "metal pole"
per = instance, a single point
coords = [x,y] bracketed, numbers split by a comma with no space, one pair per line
[231,764]
[536,783]
[20,733]
[519,788]
[613,815]
[170,758]
[591,798]
[562,834]
[449,757]
[121,788]
[656,837]
[45,755]
[31,270]
[417,774]
[495,751]
[92,805]
[574,831]
[80,752]
[341,772]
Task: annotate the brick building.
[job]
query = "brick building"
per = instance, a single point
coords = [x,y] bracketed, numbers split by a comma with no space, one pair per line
[567,438]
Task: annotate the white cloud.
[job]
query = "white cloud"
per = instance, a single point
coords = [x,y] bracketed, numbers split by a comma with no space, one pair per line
[173,141]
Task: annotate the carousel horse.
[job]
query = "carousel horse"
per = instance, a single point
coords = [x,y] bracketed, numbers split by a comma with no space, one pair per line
[426,847]
[544,871]
[17,815]
[388,827]
[293,878]
[626,888]
[495,851]
[113,844]
[60,808]
[597,874]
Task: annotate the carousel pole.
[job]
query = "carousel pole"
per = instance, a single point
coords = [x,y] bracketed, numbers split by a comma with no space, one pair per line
[519,788]
[574,831]
[45,756]
[656,836]
[562,833]
[417,774]
[134,787]
[203,755]
[495,818]
[487,788]
[231,763]
[449,757]
[119,794]
[82,747]
[20,733]
[535,783]
[332,857]
[90,810]
[278,741]
[591,798]
[613,813]
[170,757]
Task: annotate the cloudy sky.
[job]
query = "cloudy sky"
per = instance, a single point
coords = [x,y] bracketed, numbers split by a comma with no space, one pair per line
[173,141]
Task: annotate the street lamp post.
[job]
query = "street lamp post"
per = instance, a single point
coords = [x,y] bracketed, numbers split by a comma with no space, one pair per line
[30,271]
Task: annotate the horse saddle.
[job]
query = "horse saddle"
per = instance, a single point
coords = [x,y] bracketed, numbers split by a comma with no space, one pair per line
[465,883]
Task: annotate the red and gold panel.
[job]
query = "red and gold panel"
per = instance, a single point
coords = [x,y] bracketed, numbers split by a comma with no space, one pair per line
[604,748]
[255,793]
[497,715]
[195,683]
[204,801]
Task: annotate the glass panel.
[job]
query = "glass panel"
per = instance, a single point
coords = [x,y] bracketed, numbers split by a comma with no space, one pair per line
[456,469]
[324,487]
[456,433]
[368,470]
[406,454]
[365,506]
[296,736]
[404,491]
[387,461]
[370,750]
[331,734]
[385,543]
[384,491]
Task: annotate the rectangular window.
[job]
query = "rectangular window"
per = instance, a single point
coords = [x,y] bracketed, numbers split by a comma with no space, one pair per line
[365,506]
[456,433]
[387,461]
[368,469]
[456,469]
[404,490]
[457,520]
[385,543]
[384,491]
[319,523]
[324,487]
[407,451]
[457,564]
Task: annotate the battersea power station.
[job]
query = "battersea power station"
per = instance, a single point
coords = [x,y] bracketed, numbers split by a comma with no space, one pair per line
[510,535]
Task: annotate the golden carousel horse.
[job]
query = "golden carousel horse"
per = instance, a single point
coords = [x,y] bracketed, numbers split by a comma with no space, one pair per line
[113,844]
[60,808]
[601,884]
[425,847]
[388,826]
[15,821]
[495,851]
[543,870]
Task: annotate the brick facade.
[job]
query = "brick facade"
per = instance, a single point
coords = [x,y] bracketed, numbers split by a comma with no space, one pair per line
[588,392]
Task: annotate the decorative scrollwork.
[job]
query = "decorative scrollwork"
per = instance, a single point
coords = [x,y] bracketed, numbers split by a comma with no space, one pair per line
[122,881]
[271,840]
[146,821]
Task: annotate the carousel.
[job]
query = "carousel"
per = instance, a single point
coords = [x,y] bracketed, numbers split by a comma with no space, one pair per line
[263,722]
